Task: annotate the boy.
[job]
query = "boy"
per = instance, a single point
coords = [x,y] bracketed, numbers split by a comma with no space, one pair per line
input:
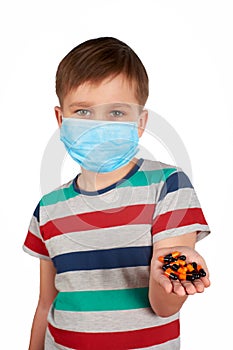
[99,236]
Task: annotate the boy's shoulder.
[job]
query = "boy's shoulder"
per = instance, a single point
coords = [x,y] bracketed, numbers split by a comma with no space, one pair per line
[157,166]
[154,172]
[59,194]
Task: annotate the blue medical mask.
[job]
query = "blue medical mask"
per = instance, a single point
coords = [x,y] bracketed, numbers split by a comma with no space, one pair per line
[100,146]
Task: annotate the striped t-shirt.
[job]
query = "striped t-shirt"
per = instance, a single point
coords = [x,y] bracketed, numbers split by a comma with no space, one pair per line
[101,246]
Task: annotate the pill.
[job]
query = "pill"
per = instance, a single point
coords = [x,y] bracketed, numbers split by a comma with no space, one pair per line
[165,267]
[163,259]
[190,267]
[182,257]
[194,265]
[175,254]
[181,262]
[190,278]
[173,259]
[196,275]
[202,272]
[175,267]
[182,276]
[168,258]
[172,275]
[182,270]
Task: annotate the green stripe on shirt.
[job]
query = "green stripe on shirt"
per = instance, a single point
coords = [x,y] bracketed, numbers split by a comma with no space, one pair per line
[140,178]
[60,195]
[145,178]
[103,300]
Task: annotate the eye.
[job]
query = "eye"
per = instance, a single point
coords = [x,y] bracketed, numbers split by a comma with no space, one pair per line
[83,113]
[117,114]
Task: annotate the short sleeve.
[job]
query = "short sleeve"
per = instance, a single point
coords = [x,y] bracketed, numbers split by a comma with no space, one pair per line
[34,243]
[178,210]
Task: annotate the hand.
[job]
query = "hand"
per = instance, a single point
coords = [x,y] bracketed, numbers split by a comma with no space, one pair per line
[180,288]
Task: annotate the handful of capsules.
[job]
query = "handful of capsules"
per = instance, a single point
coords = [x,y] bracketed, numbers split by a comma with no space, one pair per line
[176,268]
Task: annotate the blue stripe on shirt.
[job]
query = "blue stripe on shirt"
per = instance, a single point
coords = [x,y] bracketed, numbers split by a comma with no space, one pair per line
[174,182]
[103,259]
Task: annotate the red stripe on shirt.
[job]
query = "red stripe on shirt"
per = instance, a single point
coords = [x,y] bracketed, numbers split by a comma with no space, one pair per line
[35,244]
[178,218]
[117,340]
[135,214]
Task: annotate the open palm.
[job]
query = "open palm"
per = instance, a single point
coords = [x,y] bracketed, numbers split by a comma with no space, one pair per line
[178,287]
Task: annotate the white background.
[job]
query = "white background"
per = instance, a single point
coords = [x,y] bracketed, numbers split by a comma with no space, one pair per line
[186,47]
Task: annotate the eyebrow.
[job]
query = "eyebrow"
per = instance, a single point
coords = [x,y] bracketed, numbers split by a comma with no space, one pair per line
[121,104]
[81,103]
[86,104]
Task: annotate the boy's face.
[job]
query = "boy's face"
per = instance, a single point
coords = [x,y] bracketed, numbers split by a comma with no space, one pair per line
[111,100]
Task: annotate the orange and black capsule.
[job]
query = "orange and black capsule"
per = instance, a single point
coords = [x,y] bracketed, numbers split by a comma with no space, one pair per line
[166,266]
[168,258]
[169,273]
[182,276]
[181,262]
[201,271]
[190,267]
[182,257]
[194,265]
[190,277]
[175,267]
[196,275]
[165,259]
[182,269]
[175,254]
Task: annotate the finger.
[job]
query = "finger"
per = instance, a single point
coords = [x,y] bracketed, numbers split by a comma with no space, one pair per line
[199,286]
[178,288]
[205,280]
[189,287]
[165,283]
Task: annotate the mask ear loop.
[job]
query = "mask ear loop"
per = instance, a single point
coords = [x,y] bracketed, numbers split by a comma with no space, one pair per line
[141,110]
[142,121]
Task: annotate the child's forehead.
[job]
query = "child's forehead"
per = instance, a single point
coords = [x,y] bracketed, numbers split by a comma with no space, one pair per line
[110,90]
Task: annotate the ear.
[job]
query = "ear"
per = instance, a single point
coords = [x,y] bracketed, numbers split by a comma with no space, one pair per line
[142,122]
[58,114]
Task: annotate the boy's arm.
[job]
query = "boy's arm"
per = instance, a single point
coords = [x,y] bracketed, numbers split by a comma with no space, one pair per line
[47,294]
[166,296]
